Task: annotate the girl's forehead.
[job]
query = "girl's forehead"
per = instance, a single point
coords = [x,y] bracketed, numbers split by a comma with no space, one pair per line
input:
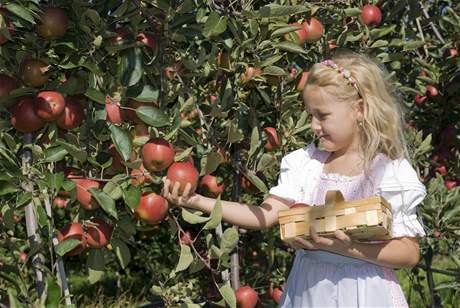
[316,98]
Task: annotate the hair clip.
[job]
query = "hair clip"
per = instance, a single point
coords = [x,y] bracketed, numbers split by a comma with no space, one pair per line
[343,71]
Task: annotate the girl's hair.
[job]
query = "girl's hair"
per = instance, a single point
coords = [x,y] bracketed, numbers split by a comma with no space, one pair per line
[382,125]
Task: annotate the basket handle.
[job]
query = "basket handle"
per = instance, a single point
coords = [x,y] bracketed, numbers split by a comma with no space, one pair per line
[333,198]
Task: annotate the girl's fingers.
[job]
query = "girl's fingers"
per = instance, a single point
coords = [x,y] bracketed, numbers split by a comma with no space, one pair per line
[187,189]
[339,234]
[175,190]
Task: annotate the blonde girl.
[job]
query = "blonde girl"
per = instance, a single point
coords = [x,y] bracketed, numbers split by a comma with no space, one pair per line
[358,124]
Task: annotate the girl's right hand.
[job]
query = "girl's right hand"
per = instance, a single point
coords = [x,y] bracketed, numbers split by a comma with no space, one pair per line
[171,193]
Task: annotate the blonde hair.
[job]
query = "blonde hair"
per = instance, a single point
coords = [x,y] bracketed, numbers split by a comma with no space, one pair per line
[382,125]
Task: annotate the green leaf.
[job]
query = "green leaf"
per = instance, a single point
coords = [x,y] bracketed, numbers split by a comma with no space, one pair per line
[212,162]
[254,179]
[215,25]
[131,67]
[216,216]
[132,196]
[185,259]
[54,154]
[121,251]
[276,10]
[113,190]
[284,30]
[379,43]
[96,265]
[193,218]
[122,141]
[148,94]
[353,11]
[234,134]
[73,150]
[274,70]
[271,60]
[228,294]
[7,188]
[21,11]
[411,45]
[95,95]
[290,47]
[153,116]
[255,141]
[65,246]
[229,240]
[104,200]
[53,292]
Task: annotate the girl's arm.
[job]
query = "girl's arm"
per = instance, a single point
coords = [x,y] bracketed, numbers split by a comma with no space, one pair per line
[396,253]
[243,215]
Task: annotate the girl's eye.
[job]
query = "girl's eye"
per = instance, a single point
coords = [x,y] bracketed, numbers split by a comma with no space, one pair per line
[322,115]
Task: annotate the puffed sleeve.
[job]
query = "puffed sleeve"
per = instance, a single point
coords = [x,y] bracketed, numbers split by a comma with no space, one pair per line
[400,186]
[289,180]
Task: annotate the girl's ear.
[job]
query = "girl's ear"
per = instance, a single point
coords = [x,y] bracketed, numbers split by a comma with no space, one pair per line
[360,109]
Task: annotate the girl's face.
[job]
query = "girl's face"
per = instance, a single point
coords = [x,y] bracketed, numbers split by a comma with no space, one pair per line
[334,122]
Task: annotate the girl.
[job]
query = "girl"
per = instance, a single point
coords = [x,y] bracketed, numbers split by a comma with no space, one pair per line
[359,125]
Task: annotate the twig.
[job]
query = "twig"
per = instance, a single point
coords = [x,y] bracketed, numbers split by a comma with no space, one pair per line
[417,21]
[433,26]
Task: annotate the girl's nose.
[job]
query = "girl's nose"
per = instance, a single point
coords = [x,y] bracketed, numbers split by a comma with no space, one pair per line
[315,125]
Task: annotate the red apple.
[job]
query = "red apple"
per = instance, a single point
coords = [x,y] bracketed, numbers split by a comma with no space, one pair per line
[431,91]
[246,297]
[54,23]
[61,202]
[23,257]
[98,233]
[442,170]
[302,81]
[113,111]
[273,141]
[250,73]
[84,196]
[7,84]
[298,36]
[183,172]
[211,186]
[450,53]
[450,184]
[147,39]
[186,238]
[72,116]
[314,29]
[140,176]
[157,154]
[419,99]
[33,72]
[73,230]
[152,208]
[371,15]
[24,118]
[331,44]
[49,105]
[275,293]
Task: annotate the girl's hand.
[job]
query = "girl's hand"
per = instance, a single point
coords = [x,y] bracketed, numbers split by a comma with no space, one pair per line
[340,243]
[170,191]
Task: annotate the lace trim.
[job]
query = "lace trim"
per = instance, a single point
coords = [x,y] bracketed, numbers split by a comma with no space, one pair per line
[340,177]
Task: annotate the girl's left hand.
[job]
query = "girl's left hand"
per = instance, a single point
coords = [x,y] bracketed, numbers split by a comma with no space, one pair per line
[340,243]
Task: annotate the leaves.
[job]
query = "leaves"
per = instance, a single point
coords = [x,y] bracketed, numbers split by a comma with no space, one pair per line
[152,116]
[104,200]
[122,141]
[131,67]
[65,246]
[214,25]
[216,216]
[121,251]
[185,258]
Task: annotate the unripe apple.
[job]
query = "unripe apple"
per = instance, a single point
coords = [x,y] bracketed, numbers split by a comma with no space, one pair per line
[246,297]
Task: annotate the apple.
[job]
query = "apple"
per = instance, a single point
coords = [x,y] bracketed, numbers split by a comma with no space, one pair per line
[113,111]
[147,39]
[7,84]
[61,202]
[157,154]
[273,141]
[33,72]
[23,257]
[140,134]
[314,29]
[119,37]
[331,44]
[186,238]
[246,297]
[371,15]
[431,91]
[211,185]
[98,233]
[302,81]
[442,170]
[73,230]
[152,208]
[83,195]
[72,116]
[49,105]
[299,205]
[275,293]
[450,184]
[419,99]
[450,53]
[54,23]
[298,36]
[250,73]
[176,68]
[183,172]
[24,118]
[140,176]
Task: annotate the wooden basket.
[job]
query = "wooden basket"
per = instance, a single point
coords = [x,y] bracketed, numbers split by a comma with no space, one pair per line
[365,219]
